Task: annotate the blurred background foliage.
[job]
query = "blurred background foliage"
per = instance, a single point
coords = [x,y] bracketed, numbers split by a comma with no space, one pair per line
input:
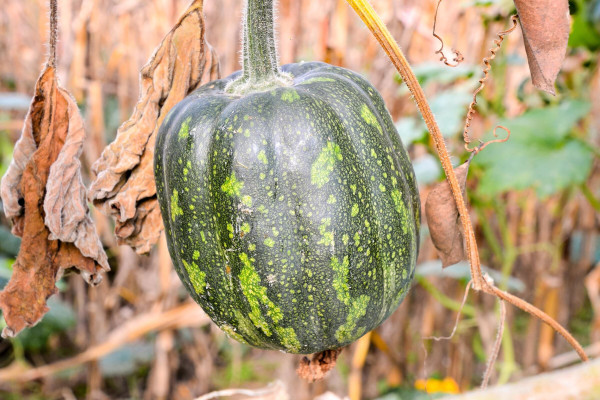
[535,203]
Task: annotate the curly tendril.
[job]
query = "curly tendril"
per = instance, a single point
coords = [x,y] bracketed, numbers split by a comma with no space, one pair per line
[458,57]
[488,66]
[482,145]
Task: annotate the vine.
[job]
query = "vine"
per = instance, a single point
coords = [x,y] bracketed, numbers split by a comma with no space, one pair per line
[480,282]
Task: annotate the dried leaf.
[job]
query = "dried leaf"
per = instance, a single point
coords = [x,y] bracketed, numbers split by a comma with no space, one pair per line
[10,190]
[546,27]
[443,219]
[124,185]
[65,205]
[44,178]
[319,366]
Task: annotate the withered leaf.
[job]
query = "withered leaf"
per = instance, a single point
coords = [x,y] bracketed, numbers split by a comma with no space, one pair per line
[43,178]
[124,185]
[546,27]
[443,219]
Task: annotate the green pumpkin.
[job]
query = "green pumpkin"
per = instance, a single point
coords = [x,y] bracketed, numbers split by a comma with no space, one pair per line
[291,208]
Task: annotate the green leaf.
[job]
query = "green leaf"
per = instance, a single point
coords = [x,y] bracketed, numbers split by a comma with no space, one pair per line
[462,270]
[410,130]
[439,73]
[450,108]
[583,32]
[548,125]
[127,359]
[427,169]
[540,153]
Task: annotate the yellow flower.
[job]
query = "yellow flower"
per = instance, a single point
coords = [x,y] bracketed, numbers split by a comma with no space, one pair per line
[447,385]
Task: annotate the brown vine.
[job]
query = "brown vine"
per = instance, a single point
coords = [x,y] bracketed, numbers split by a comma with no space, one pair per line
[458,57]
[372,20]
[496,349]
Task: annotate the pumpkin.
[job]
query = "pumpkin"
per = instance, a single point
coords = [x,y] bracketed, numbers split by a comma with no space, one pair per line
[290,205]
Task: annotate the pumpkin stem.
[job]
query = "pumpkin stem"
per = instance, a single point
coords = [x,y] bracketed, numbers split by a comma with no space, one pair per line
[260,61]
[259,52]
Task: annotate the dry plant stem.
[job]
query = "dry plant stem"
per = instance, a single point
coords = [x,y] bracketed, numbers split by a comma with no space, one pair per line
[536,312]
[458,57]
[365,11]
[458,315]
[492,360]
[53,33]
[188,314]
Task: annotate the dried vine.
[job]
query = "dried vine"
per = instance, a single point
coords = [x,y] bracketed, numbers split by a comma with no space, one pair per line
[458,57]
[372,20]
[486,71]
[496,349]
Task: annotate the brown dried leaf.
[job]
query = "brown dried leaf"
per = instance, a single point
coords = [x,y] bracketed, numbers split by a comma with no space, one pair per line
[46,169]
[124,185]
[319,366]
[546,27]
[65,205]
[443,219]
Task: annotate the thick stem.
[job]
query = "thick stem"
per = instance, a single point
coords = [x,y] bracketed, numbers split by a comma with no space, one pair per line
[259,50]
[260,63]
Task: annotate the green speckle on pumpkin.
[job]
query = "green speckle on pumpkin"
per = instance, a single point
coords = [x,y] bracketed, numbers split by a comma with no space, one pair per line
[340,280]
[323,166]
[354,211]
[345,239]
[327,236]
[230,331]
[247,201]
[197,277]
[368,116]
[269,242]
[232,186]
[401,209]
[357,310]
[290,95]
[331,199]
[184,130]
[317,79]
[245,228]
[288,338]
[257,295]
[262,157]
[175,209]
[196,255]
